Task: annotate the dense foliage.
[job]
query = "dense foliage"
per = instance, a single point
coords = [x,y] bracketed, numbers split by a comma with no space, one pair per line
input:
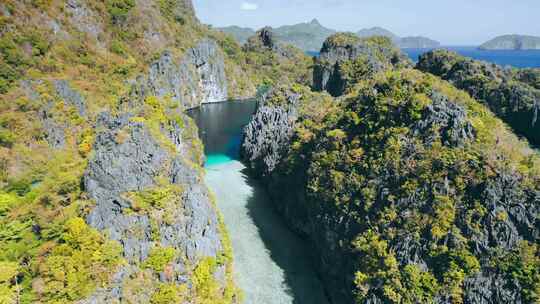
[62,63]
[401,194]
[275,62]
[512,95]
[346,59]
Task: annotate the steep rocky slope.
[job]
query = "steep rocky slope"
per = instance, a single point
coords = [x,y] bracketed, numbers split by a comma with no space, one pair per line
[513,95]
[275,61]
[101,191]
[346,59]
[409,190]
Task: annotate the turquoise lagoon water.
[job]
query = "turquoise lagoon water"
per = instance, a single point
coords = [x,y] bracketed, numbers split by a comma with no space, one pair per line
[217,159]
[271,263]
[220,128]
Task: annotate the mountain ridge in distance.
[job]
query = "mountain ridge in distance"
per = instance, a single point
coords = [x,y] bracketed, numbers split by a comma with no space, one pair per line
[309,36]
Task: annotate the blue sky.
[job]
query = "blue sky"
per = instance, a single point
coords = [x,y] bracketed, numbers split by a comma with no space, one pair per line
[453,22]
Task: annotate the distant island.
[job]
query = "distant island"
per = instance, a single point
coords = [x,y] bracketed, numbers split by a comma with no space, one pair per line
[418,42]
[309,36]
[512,42]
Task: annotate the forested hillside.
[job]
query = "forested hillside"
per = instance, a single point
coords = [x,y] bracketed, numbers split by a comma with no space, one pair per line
[101,192]
[409,190]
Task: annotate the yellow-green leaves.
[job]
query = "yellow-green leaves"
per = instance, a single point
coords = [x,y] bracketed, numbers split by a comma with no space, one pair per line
[75,268]
[8,290]
[159,258]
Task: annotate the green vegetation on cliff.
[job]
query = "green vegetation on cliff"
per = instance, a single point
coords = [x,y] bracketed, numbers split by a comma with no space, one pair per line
[409,189]
[511,94]
[69,76]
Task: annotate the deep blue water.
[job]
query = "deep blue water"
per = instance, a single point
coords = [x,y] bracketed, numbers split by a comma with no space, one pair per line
[220,128]
[519,59]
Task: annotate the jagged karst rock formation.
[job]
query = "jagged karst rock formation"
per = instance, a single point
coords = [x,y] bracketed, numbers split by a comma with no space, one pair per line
[276,62]
[70,96]
[265,38]
[345,59]
[53,123]
[199,77]
[514,100]
[449,118]
[268,134]
[385,210]
[101,191]
[135,164]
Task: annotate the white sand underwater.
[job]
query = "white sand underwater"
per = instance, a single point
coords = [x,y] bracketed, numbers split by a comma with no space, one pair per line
[271,263]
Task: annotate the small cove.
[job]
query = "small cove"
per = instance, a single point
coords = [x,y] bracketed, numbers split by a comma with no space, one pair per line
[271,264]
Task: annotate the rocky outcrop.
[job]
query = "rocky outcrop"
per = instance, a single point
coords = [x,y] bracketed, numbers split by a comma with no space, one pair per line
[449,118]
[512,42]
[130,159]
[268,133]
[486,288]
[199,77]
[70,96]
[346,59]
[54,124]
[85,19]
[515,101]
[266,40]
[342,181]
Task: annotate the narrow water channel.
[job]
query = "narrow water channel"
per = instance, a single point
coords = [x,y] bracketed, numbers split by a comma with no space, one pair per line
[271,263]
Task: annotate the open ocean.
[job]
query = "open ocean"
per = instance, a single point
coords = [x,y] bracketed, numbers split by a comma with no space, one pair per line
[519,59]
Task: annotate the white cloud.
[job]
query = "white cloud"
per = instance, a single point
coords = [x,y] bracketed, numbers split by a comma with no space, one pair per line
[248,6]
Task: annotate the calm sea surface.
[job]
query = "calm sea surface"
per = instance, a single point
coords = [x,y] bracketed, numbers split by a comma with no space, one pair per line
[519,59]
[220,128]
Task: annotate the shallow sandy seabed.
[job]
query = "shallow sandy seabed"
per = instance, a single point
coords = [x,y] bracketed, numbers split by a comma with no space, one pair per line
[271,264]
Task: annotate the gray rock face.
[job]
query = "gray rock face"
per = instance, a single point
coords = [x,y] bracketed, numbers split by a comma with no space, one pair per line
[70,96]
[491,288]
[118,168]
[266,39]
[509,215]
[268,134]
[53,127]
[198,78]
[129,158]
[513,98]
[330,71]
[451,120]
[54,131]
[84,19]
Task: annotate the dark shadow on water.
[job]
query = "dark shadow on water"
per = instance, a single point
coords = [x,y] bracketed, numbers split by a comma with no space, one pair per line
[287,250]
[220,128]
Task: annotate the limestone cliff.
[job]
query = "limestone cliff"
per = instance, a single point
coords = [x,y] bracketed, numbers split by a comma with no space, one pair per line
[197,78]
[100,169]
[345,59]
[511,95]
